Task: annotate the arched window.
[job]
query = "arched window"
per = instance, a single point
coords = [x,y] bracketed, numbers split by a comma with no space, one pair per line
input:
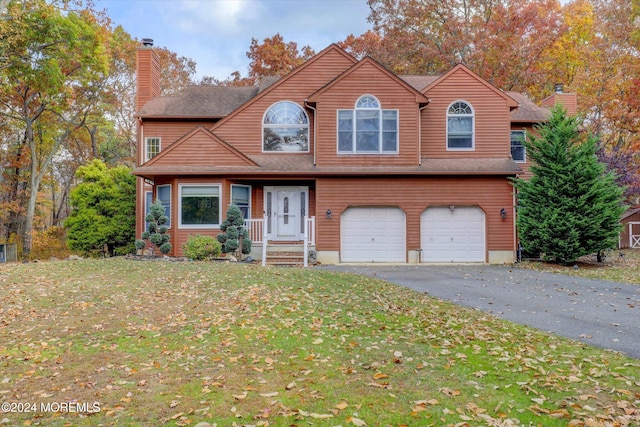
[460,126]
[368,129]
[285,127]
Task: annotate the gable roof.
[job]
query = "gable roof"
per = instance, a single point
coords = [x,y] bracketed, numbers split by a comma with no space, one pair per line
[528,111]
[367,60]
[199,101]
[419,82]
[462,68]
[204,145]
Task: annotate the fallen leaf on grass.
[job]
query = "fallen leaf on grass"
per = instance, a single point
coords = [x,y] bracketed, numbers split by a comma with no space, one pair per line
[356,421]
[240,396]
[342,405]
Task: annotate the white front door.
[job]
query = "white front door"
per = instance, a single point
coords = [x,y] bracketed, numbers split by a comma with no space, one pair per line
[286,209]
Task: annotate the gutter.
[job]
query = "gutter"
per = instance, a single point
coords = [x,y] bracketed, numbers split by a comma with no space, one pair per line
[315,131]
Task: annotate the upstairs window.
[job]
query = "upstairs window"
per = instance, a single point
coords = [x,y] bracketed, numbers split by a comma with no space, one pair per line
[460,126]
[285,127]
[368,129]
[518,150]
[151,148]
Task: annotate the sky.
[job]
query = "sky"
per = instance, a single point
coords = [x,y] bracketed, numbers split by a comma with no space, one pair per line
[217,34]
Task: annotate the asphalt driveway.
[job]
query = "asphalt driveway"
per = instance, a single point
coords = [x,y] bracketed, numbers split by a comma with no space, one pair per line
[597,312]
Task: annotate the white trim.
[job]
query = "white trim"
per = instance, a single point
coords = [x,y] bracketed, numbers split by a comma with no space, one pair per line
[199,226]
[250,194]
[146,147]
[292,126]
[168,225]
[147,194]
[271,218]
[524,136]
[354,131]
[473,127]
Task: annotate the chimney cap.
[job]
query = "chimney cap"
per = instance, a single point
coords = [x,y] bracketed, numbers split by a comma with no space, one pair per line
[558,87]
[147,42]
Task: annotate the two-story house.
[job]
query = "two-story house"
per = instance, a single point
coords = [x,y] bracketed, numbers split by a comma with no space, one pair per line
[361,164]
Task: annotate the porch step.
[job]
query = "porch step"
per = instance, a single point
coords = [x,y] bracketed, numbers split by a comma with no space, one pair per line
[286,258]
[287,253]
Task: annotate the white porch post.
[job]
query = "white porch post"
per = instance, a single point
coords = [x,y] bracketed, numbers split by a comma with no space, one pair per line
[264,240]
[306,241]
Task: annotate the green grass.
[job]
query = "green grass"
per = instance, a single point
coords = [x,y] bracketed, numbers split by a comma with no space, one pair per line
[617,268]
[163,343]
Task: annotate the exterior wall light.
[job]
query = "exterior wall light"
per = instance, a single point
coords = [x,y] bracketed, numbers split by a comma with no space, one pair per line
[503,213]
[328,213]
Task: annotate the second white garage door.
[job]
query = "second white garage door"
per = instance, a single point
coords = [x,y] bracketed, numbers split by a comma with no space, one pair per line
[452,235]
[373,235]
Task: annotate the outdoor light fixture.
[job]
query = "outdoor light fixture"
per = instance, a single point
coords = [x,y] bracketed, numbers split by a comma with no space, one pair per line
[328,213]
[503,213]
[452,208]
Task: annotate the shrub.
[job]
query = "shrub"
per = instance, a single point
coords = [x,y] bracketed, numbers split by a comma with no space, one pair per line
[201,247]
[157,230]
[233,230]
[49,243]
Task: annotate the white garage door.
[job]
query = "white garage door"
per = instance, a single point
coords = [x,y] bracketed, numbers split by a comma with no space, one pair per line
[452,235]
[373,235]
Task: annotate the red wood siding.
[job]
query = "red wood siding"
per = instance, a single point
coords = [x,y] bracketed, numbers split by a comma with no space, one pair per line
[624,232]
[148,76]
[202,149]
[492,121]
[168,132]
[413,196]
[367,80]
[244,130]
[568,100]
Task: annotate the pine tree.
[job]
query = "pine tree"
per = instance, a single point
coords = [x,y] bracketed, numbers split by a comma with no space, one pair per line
[234,237]
[571,206]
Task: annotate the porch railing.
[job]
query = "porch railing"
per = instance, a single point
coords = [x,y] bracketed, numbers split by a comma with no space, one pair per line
[258,234]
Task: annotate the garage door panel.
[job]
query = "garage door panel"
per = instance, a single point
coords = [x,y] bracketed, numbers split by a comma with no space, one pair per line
[373,235]
[456,235]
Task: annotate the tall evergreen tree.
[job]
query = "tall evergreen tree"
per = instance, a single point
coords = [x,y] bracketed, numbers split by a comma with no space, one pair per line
[571,206]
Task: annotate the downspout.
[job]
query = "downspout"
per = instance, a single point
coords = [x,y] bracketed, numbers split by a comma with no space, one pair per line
[315,128]
[420,133]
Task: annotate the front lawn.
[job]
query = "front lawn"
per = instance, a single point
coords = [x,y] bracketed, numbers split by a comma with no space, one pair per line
[121,342]
[619,266]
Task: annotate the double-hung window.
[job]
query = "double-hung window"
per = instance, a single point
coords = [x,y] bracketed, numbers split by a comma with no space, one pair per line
[368,129]
[241,197]
[199,206]
[518,150]
[151,148]
[460,126]
[163,195]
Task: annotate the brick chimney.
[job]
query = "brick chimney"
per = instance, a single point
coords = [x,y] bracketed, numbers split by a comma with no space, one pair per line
[147,73]
[568,100]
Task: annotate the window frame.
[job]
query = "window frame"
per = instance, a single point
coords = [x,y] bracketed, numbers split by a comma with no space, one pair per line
[148,201]
[286,126]
[519,145]
[351,115]
[167,208]
[247,213]
[147,154]
[199,226]
[472,115]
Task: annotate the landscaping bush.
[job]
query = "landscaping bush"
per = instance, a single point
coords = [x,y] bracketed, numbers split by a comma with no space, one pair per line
[201,247]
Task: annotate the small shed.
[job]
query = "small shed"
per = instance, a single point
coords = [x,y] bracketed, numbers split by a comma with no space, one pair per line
[630,233]
[8,252]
